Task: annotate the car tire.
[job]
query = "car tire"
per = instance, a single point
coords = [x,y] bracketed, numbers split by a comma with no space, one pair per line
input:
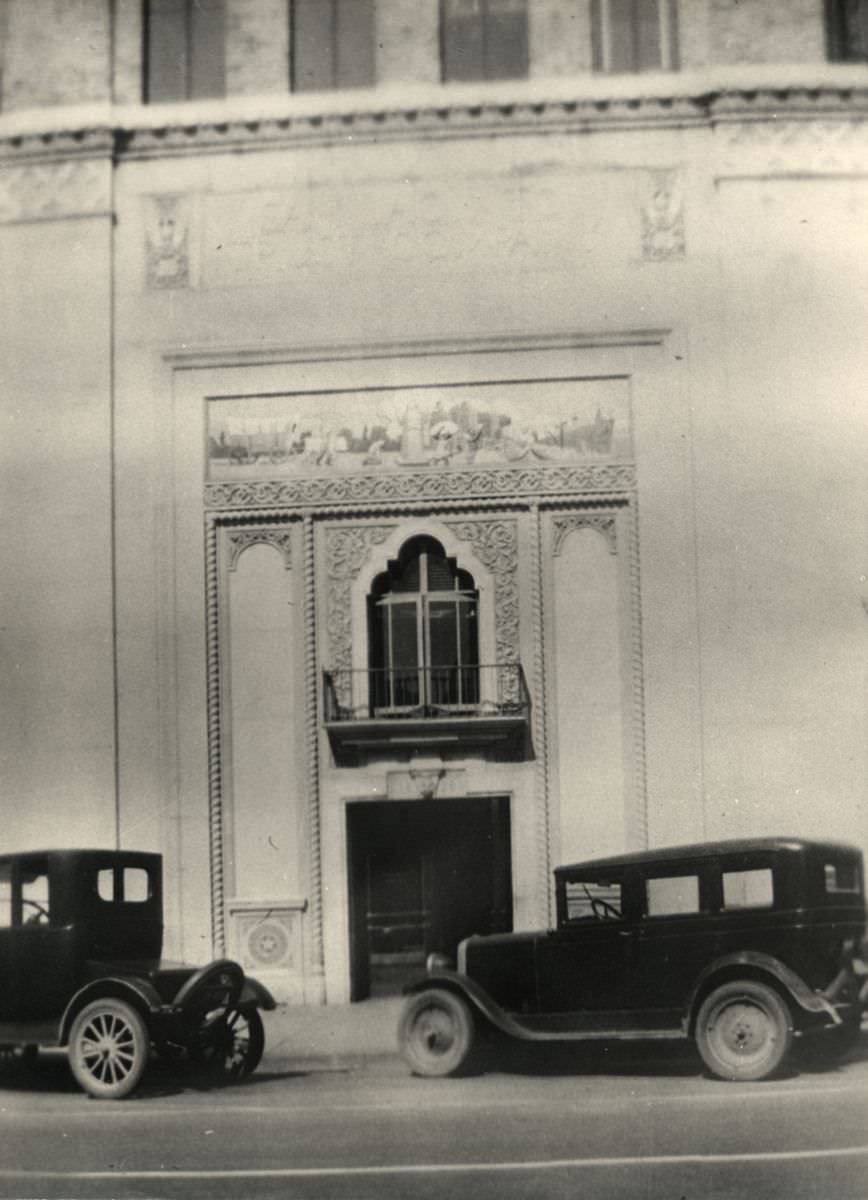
[108,1048]
[436,1033]
[744,1030]
[229,1044]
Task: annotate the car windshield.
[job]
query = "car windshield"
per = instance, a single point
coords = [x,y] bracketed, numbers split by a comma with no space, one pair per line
[593,899]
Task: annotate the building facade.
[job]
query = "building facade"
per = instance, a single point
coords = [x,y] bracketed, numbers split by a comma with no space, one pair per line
[433,450]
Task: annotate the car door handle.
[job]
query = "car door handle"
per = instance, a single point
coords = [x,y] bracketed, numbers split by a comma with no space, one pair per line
[626,932]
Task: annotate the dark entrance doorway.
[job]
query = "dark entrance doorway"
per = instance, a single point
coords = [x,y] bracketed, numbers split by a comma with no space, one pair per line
[423,875]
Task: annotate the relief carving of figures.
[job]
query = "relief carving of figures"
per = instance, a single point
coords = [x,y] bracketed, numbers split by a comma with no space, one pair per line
[440,429]
[662,213]
[167,241]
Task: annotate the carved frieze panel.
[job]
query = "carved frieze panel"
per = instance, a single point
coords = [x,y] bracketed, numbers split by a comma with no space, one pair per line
[422,486]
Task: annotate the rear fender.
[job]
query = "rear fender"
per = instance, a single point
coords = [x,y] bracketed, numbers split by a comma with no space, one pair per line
[137,992]
[758,966]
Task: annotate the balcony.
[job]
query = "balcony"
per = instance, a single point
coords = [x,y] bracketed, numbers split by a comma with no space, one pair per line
[462,710]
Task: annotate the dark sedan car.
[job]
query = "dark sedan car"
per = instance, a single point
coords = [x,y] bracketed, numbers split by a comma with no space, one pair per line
[747,947]
[81,934]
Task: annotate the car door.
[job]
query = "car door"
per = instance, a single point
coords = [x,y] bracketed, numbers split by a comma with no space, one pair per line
[8,976]
[585,966]
[677,935]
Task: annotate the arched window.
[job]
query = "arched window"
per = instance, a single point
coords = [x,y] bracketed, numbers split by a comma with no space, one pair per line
[424,641]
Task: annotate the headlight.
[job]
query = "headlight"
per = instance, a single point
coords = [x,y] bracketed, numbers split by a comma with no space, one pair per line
[437,962]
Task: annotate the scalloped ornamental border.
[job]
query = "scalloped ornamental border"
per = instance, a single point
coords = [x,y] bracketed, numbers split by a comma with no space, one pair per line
[142,132]
[415,487]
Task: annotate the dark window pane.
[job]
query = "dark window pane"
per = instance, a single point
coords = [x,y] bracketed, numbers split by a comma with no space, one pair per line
[634,35]
[848,30]
[312,45]
[404,640]
[185,50]
[622,52]
[442,633]
[441,577]
[354,44]
[484,39]
[647,29]
[166,50]
[462,40]
[207,49]
[505,36]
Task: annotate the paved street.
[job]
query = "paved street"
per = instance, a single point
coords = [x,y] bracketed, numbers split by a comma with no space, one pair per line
[616,1124]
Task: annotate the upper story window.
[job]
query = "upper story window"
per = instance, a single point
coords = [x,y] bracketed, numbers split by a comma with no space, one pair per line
[184,50]
[634,35]
[424,646]
[484,39]
[333,44]
[847,22]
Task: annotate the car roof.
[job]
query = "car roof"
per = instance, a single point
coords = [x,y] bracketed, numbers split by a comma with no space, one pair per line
[699,850]
[95,854]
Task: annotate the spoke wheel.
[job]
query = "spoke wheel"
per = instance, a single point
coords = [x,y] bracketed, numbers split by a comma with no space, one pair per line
[108,1048]
[436,1033]
[229,1043]
[744,1031]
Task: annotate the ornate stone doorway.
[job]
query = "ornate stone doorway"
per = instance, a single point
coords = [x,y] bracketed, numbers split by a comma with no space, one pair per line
[423,874]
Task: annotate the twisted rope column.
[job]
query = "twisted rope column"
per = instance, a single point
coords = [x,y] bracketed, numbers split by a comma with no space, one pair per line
[311,744]
[640,787]
[540,722]
[215,756]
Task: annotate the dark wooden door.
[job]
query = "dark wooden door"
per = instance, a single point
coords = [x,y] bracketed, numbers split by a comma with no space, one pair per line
[423,875]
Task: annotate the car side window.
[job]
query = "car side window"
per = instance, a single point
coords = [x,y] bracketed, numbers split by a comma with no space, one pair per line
[134,885]
[748,889]
[671,895]
[842,878]
[593,899]
[35,901]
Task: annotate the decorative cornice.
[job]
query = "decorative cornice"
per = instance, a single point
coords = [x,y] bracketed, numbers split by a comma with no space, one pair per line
[415,487]
[431,112]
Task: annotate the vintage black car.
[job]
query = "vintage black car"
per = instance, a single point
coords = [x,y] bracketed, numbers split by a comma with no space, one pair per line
[749,948]
[81,933]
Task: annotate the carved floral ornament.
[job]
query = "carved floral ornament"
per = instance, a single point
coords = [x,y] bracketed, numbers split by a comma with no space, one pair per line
[605,523]
[239,540]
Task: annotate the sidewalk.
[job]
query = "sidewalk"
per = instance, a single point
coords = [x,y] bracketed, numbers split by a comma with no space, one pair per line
[331,1037]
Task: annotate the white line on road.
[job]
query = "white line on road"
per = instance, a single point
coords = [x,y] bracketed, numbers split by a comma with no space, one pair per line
[551,1164]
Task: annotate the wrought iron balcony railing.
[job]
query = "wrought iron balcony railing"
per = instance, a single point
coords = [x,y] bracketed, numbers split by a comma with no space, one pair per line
[429,692]
[429,707]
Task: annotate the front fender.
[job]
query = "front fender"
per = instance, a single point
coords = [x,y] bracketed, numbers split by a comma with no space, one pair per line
[760,964]
[256,993]
[139,992]
[477,998]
